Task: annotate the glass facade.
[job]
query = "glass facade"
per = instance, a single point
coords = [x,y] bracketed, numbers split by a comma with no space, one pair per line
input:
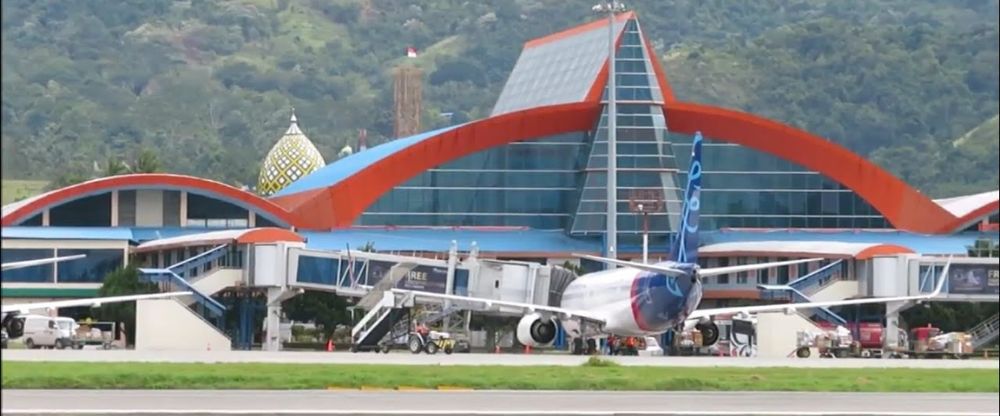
[560,182]
[745,188]
[90,211]
[531,183]
[90,269]
[204,211]
[556,72]
[36,274]
[645,162]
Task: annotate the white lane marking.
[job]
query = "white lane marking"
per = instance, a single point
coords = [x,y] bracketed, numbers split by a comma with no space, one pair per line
[478,413]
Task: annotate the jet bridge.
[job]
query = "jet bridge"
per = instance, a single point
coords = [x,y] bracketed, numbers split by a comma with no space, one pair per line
[278,263]
[287,270]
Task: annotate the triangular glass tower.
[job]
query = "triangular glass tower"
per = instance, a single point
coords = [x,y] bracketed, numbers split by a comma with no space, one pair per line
[647,170]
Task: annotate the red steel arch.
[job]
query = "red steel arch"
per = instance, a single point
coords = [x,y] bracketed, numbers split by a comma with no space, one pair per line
[145,180]
[341,204]
[899,203]
[905,208]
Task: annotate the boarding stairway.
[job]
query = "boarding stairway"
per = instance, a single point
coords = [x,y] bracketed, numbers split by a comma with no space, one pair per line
[378,322]
[985,332]
[204,275]
[384,307]
[795,291]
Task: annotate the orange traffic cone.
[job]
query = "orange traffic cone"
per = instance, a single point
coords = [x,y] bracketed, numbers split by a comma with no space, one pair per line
[329,345]
[527,349]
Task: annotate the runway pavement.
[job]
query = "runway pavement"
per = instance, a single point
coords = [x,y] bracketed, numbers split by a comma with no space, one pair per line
[51,402]
[470,359]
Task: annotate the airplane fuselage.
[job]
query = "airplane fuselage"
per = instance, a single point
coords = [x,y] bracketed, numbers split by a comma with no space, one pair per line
[635,302]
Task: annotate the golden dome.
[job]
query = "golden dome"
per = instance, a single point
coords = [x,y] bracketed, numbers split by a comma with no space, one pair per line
[293,157]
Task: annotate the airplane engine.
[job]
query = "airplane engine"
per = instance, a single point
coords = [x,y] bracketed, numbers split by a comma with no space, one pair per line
[13,325]
[534,330]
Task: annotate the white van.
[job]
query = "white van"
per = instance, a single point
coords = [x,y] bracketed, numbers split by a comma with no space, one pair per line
[49,332]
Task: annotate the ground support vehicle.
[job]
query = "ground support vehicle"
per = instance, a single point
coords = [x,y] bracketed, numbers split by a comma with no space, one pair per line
[836,343]
[430,343]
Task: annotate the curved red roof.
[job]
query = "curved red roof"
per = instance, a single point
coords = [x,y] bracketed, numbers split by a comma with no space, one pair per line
[338,205]
[22,210]
[904,207]
[335,198]
[341,203]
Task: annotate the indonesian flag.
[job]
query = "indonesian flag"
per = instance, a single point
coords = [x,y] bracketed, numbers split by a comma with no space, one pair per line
[411,52]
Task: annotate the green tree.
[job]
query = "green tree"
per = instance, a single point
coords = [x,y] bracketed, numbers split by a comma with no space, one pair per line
[325,309]
[147,162]
[984,247]
[121,282]
[114,166]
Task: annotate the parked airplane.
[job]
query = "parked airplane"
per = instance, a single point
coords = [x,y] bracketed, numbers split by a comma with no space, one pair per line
[15,327]
[647,299]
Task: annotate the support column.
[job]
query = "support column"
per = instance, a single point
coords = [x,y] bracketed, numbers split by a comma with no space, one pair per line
[890,335]
[183,209]
[272,335]
[114,208]
[449,286]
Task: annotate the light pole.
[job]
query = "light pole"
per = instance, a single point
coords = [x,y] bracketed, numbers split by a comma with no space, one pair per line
[644,202]
[611,236]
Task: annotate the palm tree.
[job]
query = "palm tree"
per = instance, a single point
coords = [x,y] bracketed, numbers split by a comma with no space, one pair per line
[146,163]
[114,166]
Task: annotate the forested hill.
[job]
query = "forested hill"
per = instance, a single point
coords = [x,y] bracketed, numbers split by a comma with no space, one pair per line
[208,85]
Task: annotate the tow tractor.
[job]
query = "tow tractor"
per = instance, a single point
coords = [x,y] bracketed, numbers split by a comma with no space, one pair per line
[423,339]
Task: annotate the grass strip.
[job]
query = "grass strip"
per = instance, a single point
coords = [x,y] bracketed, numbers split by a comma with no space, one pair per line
[591,376]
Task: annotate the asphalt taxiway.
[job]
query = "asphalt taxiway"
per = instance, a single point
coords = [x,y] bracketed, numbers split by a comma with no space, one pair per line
[405,358]
[163,402]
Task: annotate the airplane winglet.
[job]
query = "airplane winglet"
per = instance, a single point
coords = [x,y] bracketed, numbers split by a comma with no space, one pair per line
[941,279]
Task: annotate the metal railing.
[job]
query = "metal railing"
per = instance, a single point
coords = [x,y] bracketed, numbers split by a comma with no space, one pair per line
[985,332]
[383,307]
[818,278]
[194,262]
[210,308]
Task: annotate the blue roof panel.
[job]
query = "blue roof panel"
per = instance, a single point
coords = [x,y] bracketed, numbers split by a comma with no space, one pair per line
[341,169]
[136,234]
[439,240]
[68,233]
[143,234]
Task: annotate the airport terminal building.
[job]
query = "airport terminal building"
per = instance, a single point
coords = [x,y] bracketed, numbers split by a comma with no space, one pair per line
[527,183]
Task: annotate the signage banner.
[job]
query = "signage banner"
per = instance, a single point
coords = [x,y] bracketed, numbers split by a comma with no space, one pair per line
[974,279]
[425,278]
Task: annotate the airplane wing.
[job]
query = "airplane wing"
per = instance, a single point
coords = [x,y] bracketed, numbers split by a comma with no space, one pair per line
[703,272]
[29,263]
[652,268]
[525,308]
[786,307]
[25,307]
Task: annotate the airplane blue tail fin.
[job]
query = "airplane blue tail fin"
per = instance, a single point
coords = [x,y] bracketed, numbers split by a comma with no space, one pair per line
[685,246]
